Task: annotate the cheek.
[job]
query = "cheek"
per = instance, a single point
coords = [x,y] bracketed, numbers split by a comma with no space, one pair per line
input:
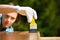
[3,20]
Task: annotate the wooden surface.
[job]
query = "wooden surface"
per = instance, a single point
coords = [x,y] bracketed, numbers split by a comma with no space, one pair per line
[18,36]
[14,36]
[49,38]
[23,36]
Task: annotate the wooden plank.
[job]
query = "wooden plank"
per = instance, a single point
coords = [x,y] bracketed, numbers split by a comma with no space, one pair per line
[24,36]
[18,36]
[14,36]
[49,38]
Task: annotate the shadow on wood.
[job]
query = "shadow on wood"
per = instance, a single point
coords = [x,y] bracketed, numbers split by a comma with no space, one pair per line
[14,36]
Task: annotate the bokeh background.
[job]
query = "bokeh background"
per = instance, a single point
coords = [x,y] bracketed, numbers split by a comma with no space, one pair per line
[48,12]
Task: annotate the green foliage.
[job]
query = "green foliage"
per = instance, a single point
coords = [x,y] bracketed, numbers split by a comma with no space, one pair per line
[22,26]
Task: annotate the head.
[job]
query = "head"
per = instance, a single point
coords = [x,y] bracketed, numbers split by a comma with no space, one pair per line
[9,18]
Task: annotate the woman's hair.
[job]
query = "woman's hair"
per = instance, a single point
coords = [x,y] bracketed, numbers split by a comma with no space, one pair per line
[18,19]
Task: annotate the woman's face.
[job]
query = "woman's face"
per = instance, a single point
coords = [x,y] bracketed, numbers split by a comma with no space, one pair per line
[8,19]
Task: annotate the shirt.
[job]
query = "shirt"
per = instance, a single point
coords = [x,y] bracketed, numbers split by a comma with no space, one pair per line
[9,29]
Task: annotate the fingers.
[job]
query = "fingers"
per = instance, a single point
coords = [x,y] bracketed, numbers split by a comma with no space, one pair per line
[34,14]
[29,14]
